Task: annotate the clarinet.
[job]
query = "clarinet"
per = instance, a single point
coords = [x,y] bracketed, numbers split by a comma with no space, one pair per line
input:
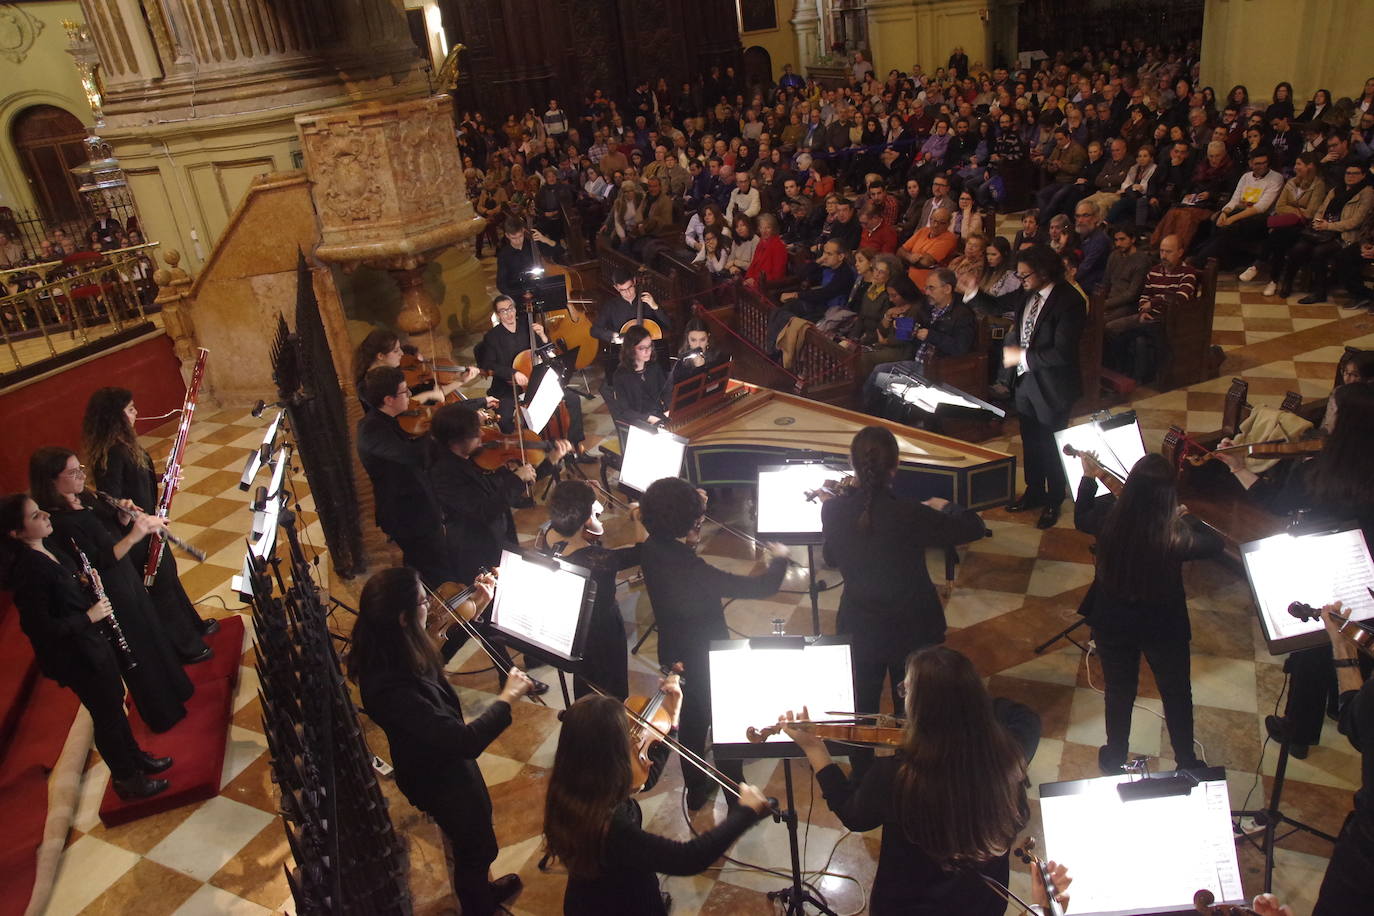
[116,632]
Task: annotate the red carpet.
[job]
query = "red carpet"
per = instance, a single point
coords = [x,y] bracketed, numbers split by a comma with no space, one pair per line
[197,742]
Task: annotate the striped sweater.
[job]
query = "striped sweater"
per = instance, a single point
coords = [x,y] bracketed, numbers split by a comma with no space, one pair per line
[1165,285]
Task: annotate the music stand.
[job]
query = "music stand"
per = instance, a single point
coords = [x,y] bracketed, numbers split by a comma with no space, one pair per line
[550,292]
[936,398]
[651,453]
[1088,823]
[700,391]
[753,681]
[787,516]
[543,605]
[542,401]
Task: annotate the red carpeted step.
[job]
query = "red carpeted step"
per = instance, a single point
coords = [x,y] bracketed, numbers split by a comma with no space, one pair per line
[228,646]
[23,811]
[18,674]
[197,742]
[42,730]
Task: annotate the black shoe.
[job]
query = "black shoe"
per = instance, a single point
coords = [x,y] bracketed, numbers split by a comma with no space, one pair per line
[1108,765]
[139,786]
[1048,516]
[1028,500]
[698,796]
[667,901]
[1285,290]
[1277,727]
[506,887]
[204,655]
[209,626]
[539,689]
[1366,304]
[584,458]
[151,765]
[1191,763]
[524,502]
[1312,298]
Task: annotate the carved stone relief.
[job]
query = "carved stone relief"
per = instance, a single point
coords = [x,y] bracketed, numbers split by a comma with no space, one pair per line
[18,29]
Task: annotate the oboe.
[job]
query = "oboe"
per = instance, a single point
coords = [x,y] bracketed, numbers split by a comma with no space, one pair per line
[126,652]
[179,543]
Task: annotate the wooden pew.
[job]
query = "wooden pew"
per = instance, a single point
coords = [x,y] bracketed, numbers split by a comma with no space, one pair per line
[1090,356]
[968,373]
[1189,357]
[674,290]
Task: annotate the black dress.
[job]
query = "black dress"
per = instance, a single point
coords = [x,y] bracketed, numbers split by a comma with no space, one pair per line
[124,477]
[605,659]
[73,651]
[909,882]
[157,684]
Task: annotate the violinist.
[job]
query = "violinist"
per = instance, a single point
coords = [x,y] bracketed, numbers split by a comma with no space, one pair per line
[517,260]
[1136,604]
[383,348]
[1333,486]
[433,747]
[624,306]
[57,481]
[574,533]
[396,464]
[889,607]
[951,801]
[66,624]
[635,394]
[687,594]
[594,826]
[496,352]
[123,469]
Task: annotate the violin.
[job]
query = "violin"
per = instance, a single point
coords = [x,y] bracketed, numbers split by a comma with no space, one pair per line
[1269,448]
[1354,631]
[1026,853]
[832,488]
[1302,447]
[838,731]
[653,327]
[420,372]
[451,602]
[1109,479]
[650,723]
[498,449]
[1204,901]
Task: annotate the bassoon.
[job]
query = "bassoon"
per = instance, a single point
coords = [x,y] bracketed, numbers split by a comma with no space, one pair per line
[172,475]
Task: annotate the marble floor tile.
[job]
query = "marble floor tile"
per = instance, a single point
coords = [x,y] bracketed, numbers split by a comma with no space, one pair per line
[253,873]
[245,747]
[1055,577]
[1088,717]
[146,888]
[89,867]
[210,837]
[211,900]
[1224,682]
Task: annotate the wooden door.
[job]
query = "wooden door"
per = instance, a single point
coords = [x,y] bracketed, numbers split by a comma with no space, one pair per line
[49,142]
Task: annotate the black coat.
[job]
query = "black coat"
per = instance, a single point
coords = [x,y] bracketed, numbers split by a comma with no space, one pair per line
[635,396]
[889,605]
[476,510]
[396,465]
[953,333]
[1053,380]
[52,613]
[1122,617]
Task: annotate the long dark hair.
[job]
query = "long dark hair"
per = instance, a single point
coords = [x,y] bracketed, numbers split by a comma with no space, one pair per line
[387,634]
[377,342]
[1140,534]
[45,464]
[11,520]
[1342,475]
[591,776]
[632,338]
[961,783]
[873,454]
[105,428]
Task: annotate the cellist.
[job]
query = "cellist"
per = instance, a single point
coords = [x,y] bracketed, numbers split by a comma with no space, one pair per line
[508,338]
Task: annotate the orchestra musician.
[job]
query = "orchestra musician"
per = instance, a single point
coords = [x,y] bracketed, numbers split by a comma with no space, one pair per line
[951,801]
[516,259]
[889,607]
[619,309]
[122,468]
[695,356]
[1136,604]
[434,749]
[383,348]
[1045,375]
[67,630]
[687,593]
[57,483]
[496,353]
[594,826]
[635,394]
[396,464]
[1333,486]
[574,532]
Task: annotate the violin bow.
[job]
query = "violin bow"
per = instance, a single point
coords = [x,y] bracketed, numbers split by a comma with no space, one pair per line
[473,633]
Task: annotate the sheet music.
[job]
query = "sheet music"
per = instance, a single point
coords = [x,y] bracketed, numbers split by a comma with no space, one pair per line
[537,603]
[1189,836]
[783,507]
[1315,569]
[1117,448]
[755,686]
[546,399]
[650,456]
[928,398]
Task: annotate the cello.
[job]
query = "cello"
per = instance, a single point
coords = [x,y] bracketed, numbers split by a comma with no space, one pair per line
[525,363]
[653,327]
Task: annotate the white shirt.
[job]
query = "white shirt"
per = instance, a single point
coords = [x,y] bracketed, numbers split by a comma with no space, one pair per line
[746,202]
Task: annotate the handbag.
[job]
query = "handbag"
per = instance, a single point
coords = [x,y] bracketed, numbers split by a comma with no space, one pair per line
[1284,220]
[1320,236]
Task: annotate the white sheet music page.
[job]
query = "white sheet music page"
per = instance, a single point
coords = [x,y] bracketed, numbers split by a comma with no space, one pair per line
[538,603]
[1315,569]
[755,686]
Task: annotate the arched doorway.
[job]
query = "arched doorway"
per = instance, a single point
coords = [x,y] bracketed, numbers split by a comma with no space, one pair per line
[758,67]
[48,142]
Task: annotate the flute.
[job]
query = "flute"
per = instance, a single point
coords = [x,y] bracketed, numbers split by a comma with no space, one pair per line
[126,652]
[179,543]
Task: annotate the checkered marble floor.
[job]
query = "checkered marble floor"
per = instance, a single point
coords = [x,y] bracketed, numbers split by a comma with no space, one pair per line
[1013,590]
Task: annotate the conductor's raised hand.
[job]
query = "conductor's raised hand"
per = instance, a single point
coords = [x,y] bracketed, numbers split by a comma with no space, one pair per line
[518,683]
[751,797]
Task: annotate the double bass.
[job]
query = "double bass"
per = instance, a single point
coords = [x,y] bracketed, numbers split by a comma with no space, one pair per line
[572,324]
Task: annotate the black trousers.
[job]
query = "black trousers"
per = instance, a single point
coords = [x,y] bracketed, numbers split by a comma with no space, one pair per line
[1311,690]
[1275,249]
[1224,241]
[177,614]
[871,666]
[424,552]
[1170,663]
[506,415]
[102,693]
[1345,888]
[470,847]
[1319,254]
[695,721]
[1043,471]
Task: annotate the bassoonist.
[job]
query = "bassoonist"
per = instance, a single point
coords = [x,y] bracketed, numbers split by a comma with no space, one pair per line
[172,475]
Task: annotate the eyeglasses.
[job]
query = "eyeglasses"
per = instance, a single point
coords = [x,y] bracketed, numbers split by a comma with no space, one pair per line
[1024,277]
[78,471]
[402,393]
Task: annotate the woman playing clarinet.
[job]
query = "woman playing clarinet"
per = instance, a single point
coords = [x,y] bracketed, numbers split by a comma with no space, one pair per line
[594,826]
[433,746]
[57,481]
[70,630]
[124,470]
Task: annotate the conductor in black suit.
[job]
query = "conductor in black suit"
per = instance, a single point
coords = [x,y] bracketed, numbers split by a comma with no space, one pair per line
[1045,383]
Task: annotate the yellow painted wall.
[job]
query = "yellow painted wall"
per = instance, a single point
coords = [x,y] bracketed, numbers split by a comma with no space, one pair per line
[1314,44]
[45,76]
[780,43]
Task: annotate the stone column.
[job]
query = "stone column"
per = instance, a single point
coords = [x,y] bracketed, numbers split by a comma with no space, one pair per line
[807,26]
